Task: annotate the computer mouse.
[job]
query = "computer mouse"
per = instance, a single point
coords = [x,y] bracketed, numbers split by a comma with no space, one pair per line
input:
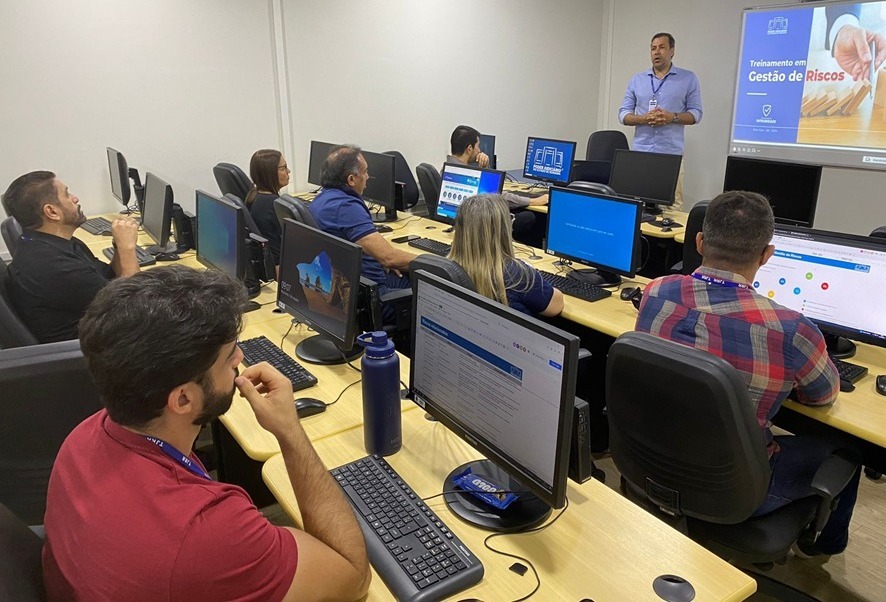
[666,221]
[107,233]
[667,229]
[846,386]
[308,406]
[628,293]
[167,257]
[382,228]
[881,384]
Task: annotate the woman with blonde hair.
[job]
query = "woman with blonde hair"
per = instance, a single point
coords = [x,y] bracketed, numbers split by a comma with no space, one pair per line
[269,173]
[482,245]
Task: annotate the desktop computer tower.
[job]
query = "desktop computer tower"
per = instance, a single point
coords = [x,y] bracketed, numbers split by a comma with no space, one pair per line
[580,460]
[184,226]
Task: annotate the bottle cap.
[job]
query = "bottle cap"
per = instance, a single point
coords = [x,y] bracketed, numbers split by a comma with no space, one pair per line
[377,344]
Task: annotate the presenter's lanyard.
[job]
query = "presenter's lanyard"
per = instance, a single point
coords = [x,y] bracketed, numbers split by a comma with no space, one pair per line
[652,83]
[178,457]
[719,281]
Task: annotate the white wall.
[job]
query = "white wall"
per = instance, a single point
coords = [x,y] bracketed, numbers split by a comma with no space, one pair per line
[401,74]
[177,86]
[707,34]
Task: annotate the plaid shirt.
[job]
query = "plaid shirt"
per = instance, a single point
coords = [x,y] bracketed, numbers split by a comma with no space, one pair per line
[774,348]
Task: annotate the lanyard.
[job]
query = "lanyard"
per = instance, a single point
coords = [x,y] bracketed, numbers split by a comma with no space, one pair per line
[719,281]
[652,84]
[178,457]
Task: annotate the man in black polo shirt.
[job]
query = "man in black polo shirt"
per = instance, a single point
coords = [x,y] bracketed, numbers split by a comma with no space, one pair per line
[54,276]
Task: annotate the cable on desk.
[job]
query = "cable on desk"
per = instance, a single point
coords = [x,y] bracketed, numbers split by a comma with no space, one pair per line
[648,252]
[404,222]
[521,558]
[291,324]
[334,401]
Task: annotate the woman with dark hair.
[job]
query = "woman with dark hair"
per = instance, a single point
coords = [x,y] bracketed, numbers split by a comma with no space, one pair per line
[269,174]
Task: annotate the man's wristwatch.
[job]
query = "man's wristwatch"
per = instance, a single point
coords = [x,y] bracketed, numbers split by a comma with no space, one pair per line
[676,118]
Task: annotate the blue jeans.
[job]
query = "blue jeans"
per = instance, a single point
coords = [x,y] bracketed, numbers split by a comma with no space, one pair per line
[393,282]
[793,469]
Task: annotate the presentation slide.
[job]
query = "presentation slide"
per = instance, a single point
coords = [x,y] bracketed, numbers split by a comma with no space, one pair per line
[811,86]
[549,160]
[459,183]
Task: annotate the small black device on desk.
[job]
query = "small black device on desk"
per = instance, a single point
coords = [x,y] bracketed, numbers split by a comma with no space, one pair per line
[383,228]
[407,238]
[881,384]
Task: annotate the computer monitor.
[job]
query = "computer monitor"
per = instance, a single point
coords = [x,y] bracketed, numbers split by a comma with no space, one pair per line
[834,279]
[119,176]
[591,171]
[487,146]
[505,383]
[548,160]
[595,230]
[462,181]
[319,280]
[319,152]
[381,186]
[791,188]
[647,177]
[157,215]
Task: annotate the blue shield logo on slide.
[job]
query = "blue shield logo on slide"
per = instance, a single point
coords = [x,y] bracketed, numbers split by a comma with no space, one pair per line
[766,110]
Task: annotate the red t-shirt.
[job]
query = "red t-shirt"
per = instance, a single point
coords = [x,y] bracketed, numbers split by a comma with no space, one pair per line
[124,521]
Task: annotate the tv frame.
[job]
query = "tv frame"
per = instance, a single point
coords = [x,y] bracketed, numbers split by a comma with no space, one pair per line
[650,202]
[732,160]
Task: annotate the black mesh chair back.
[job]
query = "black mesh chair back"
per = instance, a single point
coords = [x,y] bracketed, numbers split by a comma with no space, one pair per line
[12,233]
[603,144]
[444,268]
[430,182]
[290,207]
[47,391]
[13,332]
[232,180]
[402,173]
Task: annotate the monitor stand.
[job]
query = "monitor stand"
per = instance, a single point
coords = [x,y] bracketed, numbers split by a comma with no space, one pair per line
[253,289]
[525,512]
[650,212]
[170,248]
[389,215]
[839,347]
[319,349]
[598,277]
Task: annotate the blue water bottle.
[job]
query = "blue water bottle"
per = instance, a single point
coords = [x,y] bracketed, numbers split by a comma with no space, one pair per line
[381,394]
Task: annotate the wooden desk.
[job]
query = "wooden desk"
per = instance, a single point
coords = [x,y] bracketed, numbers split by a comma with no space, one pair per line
[603,547]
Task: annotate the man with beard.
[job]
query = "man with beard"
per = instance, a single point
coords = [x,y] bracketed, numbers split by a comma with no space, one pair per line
[131,512]
[54,276]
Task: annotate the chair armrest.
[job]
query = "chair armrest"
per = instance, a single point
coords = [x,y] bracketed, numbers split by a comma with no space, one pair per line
[583,354]
[401,301]
[829,480]
[396,295]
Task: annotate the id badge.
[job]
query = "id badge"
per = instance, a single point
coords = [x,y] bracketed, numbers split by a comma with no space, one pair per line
[653,104]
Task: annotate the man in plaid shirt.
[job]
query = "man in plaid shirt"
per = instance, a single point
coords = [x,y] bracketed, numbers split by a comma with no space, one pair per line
[775,349]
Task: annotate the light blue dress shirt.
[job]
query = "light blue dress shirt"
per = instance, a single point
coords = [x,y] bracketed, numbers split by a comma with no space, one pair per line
[677,92]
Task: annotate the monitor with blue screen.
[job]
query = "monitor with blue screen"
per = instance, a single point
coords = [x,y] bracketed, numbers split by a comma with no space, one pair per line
[460,182]
[548,160]
[219,225]
[596,230]
[829,277]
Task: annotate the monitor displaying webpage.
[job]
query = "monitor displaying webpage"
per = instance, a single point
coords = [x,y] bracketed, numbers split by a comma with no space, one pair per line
[460,182]
[500,381]
[828,282]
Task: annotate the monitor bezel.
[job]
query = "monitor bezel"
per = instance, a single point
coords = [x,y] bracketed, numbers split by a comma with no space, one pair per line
[856,241]
[148,223]
[554,181]
[311,156]
[650,201]
[451,220]
[636,253]
[121,168]
[240,225]
[555,495]
[775,164]
[491,154]
[377,190]
[296,231]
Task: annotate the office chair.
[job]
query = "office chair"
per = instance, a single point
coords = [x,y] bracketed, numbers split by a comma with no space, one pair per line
[13,332]
[692,452]
[879,232]
[430,182]
[603,144]
[403,174]
[232,180]
[290,207]
[691,257]
[591,187]
[47,391]
[444,268]
[21,575]
[11,232]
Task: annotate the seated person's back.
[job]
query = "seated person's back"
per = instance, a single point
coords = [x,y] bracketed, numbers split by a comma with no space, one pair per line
[269,173]
[54,276]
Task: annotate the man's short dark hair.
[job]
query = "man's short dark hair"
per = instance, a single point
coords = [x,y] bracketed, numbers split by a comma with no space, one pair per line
[26,196]
[664,34]
[342,162]
[149,333]
[462,137]
[738,226]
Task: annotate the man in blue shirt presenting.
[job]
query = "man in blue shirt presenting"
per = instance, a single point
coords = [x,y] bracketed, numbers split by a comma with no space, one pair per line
[660,102]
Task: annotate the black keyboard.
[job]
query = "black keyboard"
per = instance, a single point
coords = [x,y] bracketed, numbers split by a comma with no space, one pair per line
[576,288]
[431,246]
[144,258]
[529,194]
[417,556]
[261,349]
[96,225]
[849,372]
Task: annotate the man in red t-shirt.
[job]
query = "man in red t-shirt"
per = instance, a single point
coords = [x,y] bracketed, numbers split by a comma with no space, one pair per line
[131,513]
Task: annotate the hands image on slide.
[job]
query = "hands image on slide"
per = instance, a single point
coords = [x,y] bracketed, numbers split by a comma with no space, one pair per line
[859,51]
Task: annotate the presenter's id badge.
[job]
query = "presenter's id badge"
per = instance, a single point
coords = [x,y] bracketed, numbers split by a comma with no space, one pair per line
[653,104]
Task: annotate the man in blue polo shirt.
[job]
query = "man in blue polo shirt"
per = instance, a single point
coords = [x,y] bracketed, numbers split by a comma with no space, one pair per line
[660,102]
[339,209]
